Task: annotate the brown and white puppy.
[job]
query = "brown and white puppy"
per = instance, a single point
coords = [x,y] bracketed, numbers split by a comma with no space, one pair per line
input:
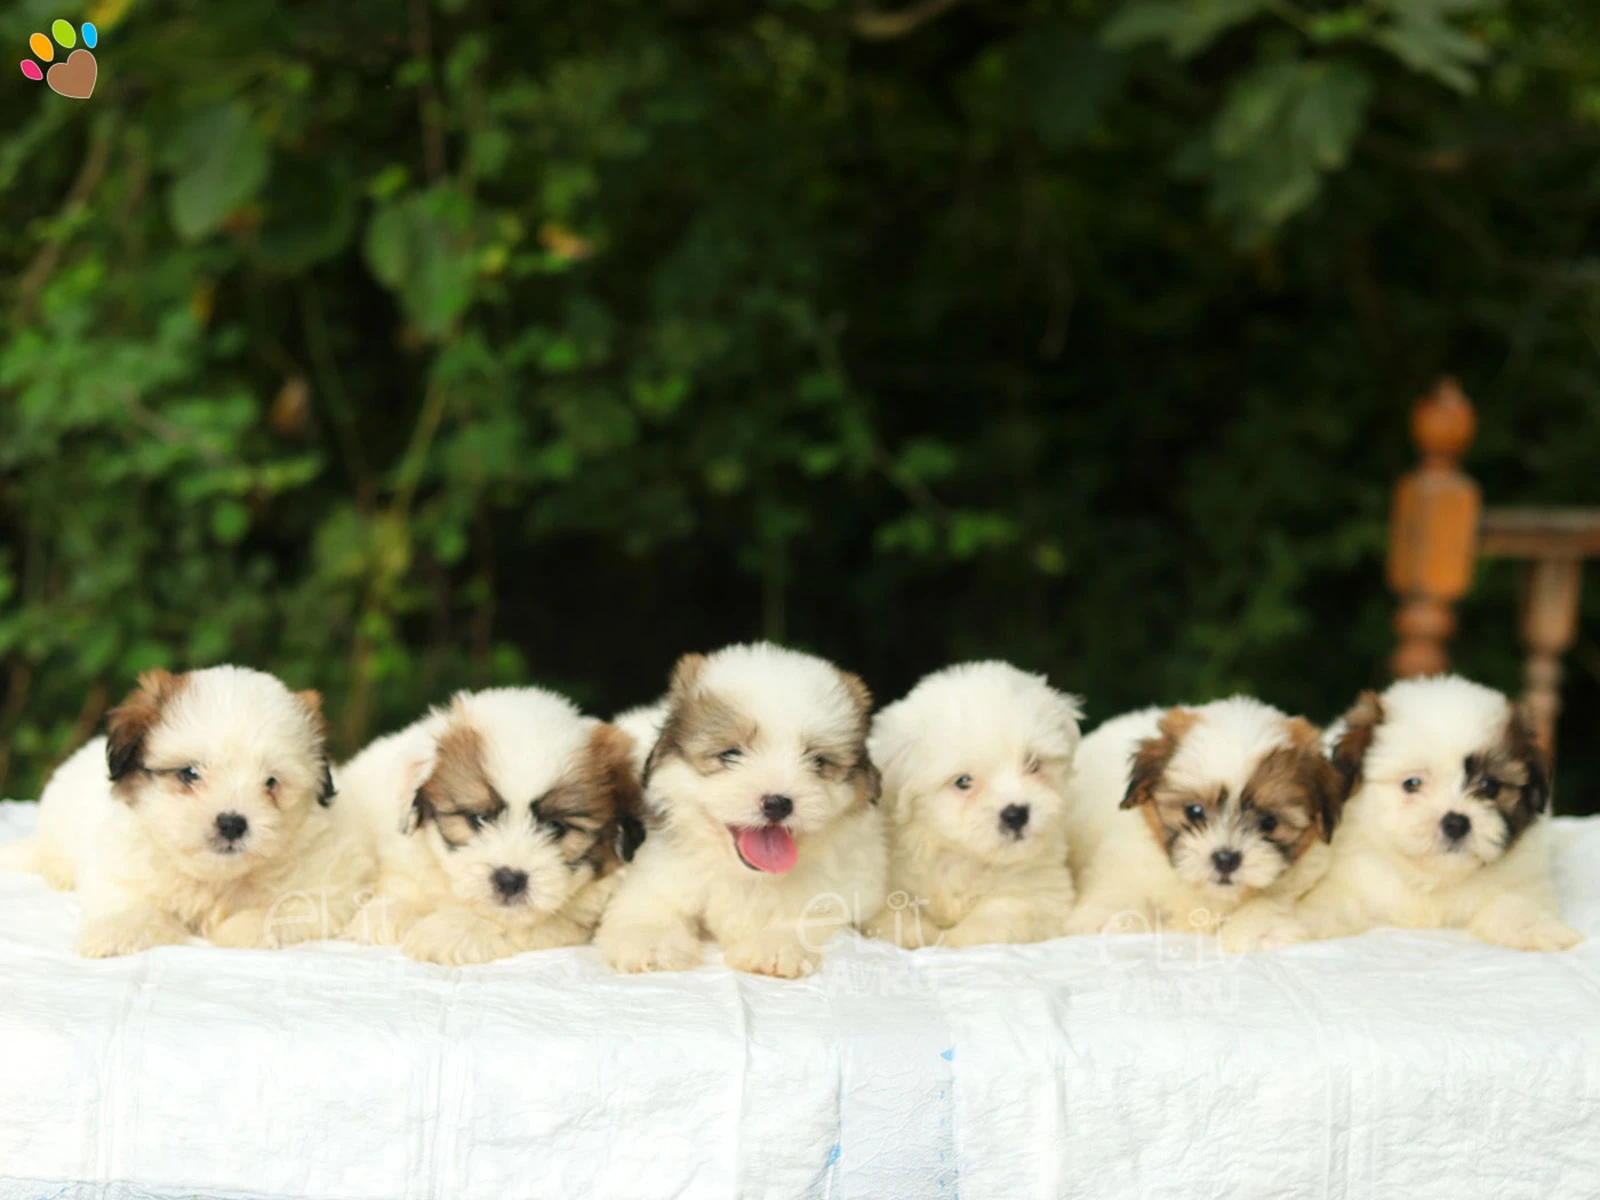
[1212,818]
[976,760]
[206,809]
[1445,827]
[501,822]
[764,826]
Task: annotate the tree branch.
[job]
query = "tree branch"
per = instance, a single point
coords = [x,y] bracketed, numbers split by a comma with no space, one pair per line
[878,26]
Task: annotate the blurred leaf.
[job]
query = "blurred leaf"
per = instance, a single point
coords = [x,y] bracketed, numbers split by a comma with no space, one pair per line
[1187,26]
[221,159]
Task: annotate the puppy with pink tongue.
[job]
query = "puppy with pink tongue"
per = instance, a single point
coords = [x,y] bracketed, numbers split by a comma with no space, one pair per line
[762,806]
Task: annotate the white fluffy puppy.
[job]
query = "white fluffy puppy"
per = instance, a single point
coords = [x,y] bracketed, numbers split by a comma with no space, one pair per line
[764,828]
[500,820]
[1201,819]
[1444,828]
[204,810]
[976,760]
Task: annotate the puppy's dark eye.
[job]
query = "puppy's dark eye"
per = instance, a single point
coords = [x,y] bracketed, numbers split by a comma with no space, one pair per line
[1195,813]
[1489,788]
[963,783]
[820,762]
[1268,823]
[272,783]
[557,827]
[475,821]
[187,776]
[1033,765]
[730,756]
[1413,785]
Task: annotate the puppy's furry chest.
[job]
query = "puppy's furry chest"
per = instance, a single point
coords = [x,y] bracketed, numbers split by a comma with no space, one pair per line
[949,887]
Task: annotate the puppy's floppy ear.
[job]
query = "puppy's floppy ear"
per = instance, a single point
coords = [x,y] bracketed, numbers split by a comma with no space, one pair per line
[130,722]
[417,772]
[680,693]
[611,759]
[868,781]
[1360,726]
[1324,784]
[1525,748]
[1151,759]
[860,695]
[311,700]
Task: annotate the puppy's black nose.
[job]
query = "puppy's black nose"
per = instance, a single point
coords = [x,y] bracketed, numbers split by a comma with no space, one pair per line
[1226,861]
[1014,817]
[1455,825]
[510,884]
[231,826]
[776,808]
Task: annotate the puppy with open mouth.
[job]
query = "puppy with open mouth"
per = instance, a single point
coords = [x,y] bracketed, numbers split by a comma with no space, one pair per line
[1213,818]
[976,760]
[764,825]
[207,808]
[501,822]
[1445,826]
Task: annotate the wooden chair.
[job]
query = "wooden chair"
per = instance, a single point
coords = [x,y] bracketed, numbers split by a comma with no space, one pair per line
[1438,529]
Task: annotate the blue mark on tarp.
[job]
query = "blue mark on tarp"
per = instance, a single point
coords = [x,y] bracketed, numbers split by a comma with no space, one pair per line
[833,1155]
[949,1054]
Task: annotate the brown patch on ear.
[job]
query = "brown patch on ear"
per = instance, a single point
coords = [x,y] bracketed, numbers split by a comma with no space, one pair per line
[860,695]
[128,724]
[457,786]
[1521,800]
[311,701]
[1151,759]
[1298,785]
[868,781]
[1360,725]
[680,697]
[610,778]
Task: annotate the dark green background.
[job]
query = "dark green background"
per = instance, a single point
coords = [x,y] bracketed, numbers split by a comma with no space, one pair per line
[400,347]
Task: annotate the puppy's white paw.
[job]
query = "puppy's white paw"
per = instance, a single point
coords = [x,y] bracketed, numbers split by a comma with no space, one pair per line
[636,951]
[244,930]
[455,940]
[129,933]
[379,921]
[772,953]
[904,928]
[1544,935]
[1246,937]
[973,933]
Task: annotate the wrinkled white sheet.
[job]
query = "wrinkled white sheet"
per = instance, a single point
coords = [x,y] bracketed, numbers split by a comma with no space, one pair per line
[1394,1065]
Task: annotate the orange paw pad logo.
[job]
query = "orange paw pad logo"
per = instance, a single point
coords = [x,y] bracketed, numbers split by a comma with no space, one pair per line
[73,78]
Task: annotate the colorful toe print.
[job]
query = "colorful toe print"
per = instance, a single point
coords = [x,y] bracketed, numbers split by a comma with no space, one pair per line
[74,77]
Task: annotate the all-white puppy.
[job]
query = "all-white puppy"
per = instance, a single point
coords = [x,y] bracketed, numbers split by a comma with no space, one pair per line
[1444,827]
[204,810]
[1201,819]
[764,827]
[501,821]
[976,760]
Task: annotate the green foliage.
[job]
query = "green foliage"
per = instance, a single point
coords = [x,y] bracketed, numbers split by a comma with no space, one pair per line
[405,348]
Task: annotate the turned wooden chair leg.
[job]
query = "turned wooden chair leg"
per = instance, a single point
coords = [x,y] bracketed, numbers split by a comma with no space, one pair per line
[1433,531]
[1549,627]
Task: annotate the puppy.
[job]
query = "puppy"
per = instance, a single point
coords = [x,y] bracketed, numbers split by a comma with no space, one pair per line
[205,809]
[976,760]
[1202,819]
[1444,827]
[765,831]
[500,822]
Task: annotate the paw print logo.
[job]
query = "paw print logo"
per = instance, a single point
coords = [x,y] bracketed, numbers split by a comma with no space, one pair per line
[73,78]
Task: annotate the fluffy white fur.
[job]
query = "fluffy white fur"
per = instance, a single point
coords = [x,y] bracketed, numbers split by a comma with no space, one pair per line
[643,725]
[1128,881]
[976,760]
[1421,753]
[745,724]
[132,820]
[511,784]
